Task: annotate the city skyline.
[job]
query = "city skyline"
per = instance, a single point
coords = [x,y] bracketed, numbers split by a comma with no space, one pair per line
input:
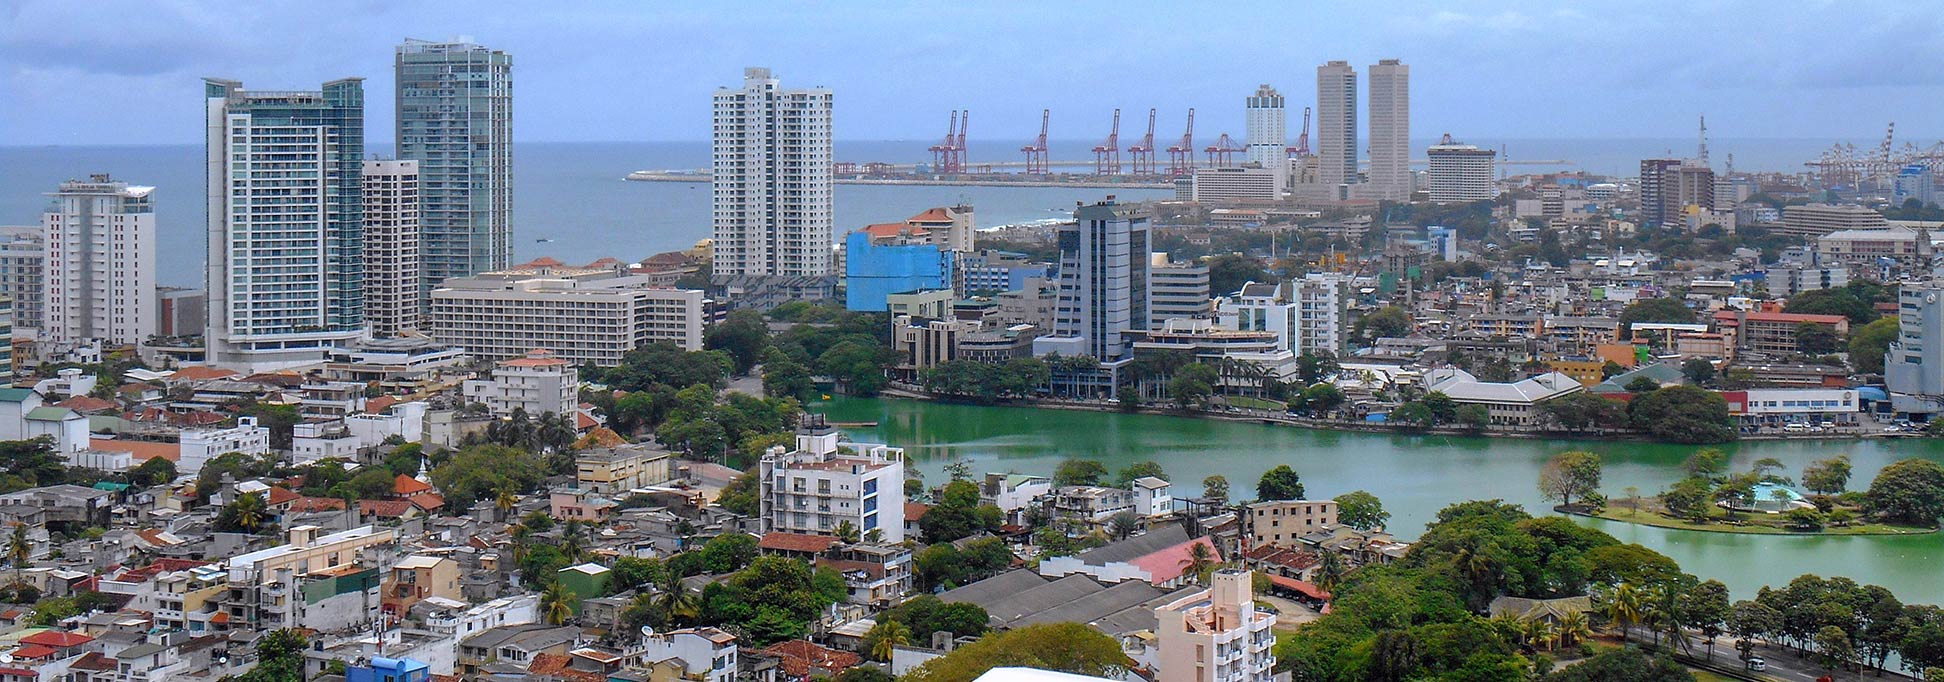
[1475,75]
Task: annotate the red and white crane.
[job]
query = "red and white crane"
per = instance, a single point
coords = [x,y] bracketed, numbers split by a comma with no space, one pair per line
[1222,153]
[1036,152]
[1301,148]
[1181,156]
[1107,154]
[948,157]
[1143,151]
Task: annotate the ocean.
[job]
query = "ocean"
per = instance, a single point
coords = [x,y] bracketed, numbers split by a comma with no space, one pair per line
[570,200]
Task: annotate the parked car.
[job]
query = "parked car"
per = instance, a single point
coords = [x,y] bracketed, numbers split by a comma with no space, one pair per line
[1757,664]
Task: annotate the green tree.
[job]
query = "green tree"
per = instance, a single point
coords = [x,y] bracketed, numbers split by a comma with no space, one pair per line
[1688,498]
[1828,476]
[1386,322]
[1193,384]
[1414,414]
[1079,472]
[784,377]
[1834,649]
[743,335]
[1682,414]
[1816,339]
[1279,483]
[1622,665]
[1321,398]
[1582,411]
[1699,371]
[19,550]
[1361,510]
[1833,302]
[1474,417]
[958,514]
[1228,272]
[1142,469]
[479,472]
[857,367]
[280,657]
[884,638]
[741,494]
[1910,491]
[1216,488]
[156,471]
[247,514]
[1654,310]
[1569,475]
[1059,647]
[557,603]
[1869,343]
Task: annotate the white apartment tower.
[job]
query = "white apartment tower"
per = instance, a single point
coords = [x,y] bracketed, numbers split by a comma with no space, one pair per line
[1336,124]
[394,302]
[99,276]
[1390,130]
[1306,314]
[825,483]
[1217,635]
[1267,129]
[23,272]
[771,179]
[1459,172]
[286,223]
[1913,369]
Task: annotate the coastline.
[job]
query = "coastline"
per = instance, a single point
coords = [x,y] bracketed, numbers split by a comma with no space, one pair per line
[1269,418]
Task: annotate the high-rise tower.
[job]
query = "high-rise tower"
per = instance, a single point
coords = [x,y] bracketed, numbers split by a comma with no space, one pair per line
[285,186]
[394,300]
[1267,128]
[455,118]
[99,272]
[771,179]
[1390,130]
[1336,124]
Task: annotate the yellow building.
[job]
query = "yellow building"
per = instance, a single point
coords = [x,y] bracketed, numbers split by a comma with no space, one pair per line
[418,578]
[617,470]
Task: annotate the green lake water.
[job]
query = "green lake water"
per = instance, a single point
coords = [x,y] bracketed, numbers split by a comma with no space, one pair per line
[1415,476]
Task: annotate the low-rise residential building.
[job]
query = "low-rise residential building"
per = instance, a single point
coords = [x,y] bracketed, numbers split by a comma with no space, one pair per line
[1012,493]
[1284,522]
[875,574]
[1088,505]
[1159,557]
[826,483]
[617,470]
[1217,635]
[417,578]
[537,384]
[704,654]
[1775,333]
[514,644]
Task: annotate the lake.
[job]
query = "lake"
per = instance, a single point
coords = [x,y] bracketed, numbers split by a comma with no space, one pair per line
[1415,476]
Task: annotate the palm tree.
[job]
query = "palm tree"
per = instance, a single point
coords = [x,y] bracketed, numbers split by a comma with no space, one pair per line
[1329,571]
[675,601]
[19,549]
[520,532]
[249,511]
[1532,632]
[504,501]
[1201,557]
[1623,607]
[1573,628]
[556,604]
[886,637]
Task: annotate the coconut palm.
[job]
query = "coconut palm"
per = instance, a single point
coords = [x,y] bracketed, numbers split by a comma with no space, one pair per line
[1623,607]
[19,549]
[675,601]
[886,637]
[556,604]
[248,511]
[503,500]
[1329,571]
[1201,557]
[1574,629]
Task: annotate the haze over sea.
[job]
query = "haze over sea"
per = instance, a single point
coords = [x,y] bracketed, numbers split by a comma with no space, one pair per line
[574,194]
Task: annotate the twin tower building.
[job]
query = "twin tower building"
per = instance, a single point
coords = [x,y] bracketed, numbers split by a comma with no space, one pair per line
[313,246]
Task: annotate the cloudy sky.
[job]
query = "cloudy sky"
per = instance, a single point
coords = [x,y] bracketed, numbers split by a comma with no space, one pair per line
[115,72]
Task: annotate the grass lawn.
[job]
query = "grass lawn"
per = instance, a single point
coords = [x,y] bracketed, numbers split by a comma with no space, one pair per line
[1651,513]
[1705,676]
[1247,402]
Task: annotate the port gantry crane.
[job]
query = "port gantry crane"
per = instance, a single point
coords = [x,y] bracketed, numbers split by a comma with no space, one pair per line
[948,157]
[1844,165]
[1301,148]
[1181,157]
[1221,154]
[1036,152]
[1143,151]
[1107,154]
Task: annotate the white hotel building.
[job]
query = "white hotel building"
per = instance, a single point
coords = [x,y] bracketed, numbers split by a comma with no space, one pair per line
[590,315]
[99,272]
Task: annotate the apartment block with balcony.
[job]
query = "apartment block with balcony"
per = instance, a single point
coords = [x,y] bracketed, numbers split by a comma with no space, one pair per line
[1283,522]
[826,482]
[1216,635]
[537,384]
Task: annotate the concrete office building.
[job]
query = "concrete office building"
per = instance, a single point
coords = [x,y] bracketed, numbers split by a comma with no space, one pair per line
[1267,130]
[1336,124]
[876,268]
[23,273]
[1103,288]
[286,248]
[1216,634]
[1915,181]
[1913,369]
[1815,220]
[1460,172]
[826,483]
[1390,131]
[455,118]
[1238,183]
[1176,291]
[1306,314]
[394,300]
[1656,180]
[587,315]
[1693,189]
[100,263]
[771,179]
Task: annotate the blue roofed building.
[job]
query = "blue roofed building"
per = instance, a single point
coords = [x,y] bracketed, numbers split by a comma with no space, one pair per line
[388,670]
[877,268]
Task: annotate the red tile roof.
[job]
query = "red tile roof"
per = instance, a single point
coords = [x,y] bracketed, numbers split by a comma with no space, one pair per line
[406,486]
[280,495]
[795,542]
[59,639]
[95,661]
[800,658]
[200,373]
[1300,587]
[379,404]
[1166,565]
[34,652]
[882,230]
[914,510]
[933,214]
[427,501]
[561,666]
[384,508]
[315,504]
[87,404]
[141,450]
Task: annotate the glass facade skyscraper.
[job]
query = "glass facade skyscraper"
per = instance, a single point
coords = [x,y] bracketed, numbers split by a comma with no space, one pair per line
[286,222]
[455,118]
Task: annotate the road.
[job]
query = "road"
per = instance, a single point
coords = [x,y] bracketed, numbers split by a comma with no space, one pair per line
[1783,663]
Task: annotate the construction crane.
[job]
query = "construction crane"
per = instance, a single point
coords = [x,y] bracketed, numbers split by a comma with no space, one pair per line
[965,123]
[1107,154]
[1036,152]
[1301,148]
[948,157]
[1221,154]
[1181,157]
[1143,151]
